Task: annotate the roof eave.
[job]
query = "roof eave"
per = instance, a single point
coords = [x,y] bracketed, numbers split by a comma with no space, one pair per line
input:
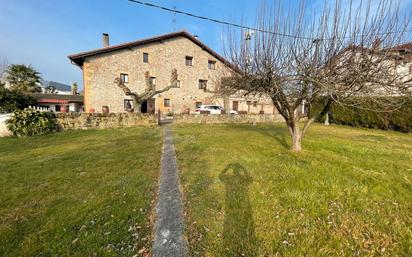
[78,59]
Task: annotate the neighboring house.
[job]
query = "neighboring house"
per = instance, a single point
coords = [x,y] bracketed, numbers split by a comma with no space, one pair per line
[199,69]
[396,60]
[404,52]
[59,88]
[59,103]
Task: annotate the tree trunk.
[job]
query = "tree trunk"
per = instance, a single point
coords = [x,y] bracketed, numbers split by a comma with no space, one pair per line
[297,142]
[296,135]
[137,105]
[226,104]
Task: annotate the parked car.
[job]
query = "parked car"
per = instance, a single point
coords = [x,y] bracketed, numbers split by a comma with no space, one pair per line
[212,109]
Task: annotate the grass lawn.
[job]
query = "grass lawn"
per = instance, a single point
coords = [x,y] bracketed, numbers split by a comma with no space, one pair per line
[79,193]
[348,194]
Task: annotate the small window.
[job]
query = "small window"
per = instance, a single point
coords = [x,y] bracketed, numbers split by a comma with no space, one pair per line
[254,103]
[57,108]
[145,57]
[128,105]
[202,84]
[178,84]
[248,102]
[167,102]
[198,104]
[153,80]
[124,77]
[189,61]
[211,65]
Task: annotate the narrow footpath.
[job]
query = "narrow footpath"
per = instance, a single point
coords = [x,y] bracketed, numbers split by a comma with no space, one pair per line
[169,225]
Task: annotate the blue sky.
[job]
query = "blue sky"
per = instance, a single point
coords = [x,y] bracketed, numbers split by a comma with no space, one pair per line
[42,33]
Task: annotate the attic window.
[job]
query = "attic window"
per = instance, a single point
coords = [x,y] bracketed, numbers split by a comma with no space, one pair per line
[145,57]
[211,65]
[124,77]
[189,61]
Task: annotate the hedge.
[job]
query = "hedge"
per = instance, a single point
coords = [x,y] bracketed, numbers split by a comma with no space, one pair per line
[30,122]
[366,112]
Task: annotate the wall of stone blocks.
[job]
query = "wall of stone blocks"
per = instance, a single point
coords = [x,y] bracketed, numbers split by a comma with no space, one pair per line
[69,121]
[220,119]
[99,73]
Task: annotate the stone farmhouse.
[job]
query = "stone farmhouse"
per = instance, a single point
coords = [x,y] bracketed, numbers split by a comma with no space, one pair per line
[199,70]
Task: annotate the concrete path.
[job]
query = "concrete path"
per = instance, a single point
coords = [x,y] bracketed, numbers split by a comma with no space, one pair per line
[169,226]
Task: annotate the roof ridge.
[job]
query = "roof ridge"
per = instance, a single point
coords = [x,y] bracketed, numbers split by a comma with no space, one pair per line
[79,58]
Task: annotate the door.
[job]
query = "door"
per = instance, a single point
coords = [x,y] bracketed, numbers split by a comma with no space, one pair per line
[151,106]
[235,105]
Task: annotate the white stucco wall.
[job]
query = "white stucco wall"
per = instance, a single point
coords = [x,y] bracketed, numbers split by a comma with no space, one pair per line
[3,128]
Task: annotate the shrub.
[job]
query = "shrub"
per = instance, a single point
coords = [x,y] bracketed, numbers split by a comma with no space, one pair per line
[365,112]
[11,101]
[29,123]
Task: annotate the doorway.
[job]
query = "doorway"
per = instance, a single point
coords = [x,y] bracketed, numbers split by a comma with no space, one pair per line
[148,106]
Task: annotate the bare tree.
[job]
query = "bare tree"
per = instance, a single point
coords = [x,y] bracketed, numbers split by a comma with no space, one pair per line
[150,90]
[337,54]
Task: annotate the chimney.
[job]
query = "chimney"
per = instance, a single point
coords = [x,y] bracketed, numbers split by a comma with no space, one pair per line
[105,40]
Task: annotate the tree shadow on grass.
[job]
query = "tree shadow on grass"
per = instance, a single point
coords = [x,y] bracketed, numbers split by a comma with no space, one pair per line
[280,134]
[239,238]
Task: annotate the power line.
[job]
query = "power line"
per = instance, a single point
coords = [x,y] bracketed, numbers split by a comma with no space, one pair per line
[243,26]
[215,20]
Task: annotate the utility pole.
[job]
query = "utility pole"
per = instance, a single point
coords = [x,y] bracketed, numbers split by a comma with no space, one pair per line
[248,38]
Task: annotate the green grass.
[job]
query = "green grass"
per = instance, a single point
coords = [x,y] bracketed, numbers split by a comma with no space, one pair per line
[79,193]
[349,193]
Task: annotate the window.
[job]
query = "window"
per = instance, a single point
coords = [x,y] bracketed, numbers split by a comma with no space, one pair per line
[167,102]
[254,103]
[198,104]
[124,77]
[248,102]
[211,65]
[153,80]
[202,84]
[145,57]
[128,105]
[57,108]
[178,84]
[189,61]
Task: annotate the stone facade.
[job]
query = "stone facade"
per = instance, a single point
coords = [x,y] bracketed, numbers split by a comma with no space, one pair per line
[100,71]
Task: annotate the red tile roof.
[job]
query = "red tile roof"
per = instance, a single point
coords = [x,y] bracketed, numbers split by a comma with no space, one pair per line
[78,59]
[407,46]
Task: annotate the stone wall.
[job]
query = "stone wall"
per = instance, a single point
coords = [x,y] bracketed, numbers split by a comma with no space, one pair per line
[216,119]
[121,120]
[102,121]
